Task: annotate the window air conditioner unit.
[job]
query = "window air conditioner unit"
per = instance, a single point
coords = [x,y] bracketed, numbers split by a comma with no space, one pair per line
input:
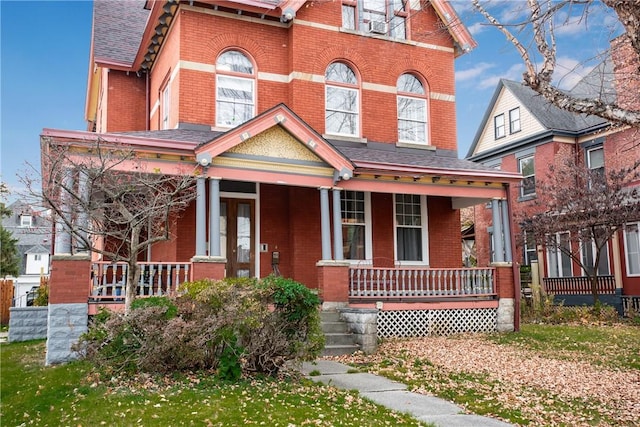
[378,27]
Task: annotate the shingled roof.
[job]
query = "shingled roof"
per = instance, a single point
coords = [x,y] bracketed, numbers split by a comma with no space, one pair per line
[117,30]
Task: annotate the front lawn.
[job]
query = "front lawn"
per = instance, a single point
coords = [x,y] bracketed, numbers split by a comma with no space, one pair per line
[566,375]
[71,394]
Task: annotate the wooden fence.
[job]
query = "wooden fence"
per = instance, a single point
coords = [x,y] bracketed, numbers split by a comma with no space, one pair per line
[6,298]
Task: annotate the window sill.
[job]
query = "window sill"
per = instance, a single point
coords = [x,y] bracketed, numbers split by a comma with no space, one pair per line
[527,198]
[418,145]
[344,138]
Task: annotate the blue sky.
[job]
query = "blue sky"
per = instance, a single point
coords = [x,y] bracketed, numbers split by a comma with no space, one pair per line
[44,59]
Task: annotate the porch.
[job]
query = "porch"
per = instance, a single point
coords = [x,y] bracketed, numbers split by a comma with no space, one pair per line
[579,285]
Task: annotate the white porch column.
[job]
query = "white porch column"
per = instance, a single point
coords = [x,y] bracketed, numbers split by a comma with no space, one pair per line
[83,216]
[337,226]
[325,228]
[201,225]
[506,231]
[214,217]
[498,240]
[63,234]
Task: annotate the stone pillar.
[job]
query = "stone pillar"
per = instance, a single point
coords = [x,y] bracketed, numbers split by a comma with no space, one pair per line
[214,217]
[505,288]
[325,227]
[68,315]
[208,268]
[333,283]
[337,226]
[201,213]
[363,323]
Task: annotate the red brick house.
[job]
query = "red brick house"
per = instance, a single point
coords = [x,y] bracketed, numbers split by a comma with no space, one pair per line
[325,133]
[522,132]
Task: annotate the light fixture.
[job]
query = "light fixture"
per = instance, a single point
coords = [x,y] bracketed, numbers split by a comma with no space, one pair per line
[204,162]
[287,15]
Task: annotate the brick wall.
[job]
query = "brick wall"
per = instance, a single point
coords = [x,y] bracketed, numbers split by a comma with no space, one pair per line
[445,237]
[126,102]
[70,280]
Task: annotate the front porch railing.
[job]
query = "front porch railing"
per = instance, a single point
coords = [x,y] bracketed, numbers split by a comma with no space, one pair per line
[156,278]
[578,285]
[367,282]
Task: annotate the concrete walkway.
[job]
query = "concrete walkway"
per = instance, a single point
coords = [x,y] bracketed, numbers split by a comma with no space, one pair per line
[395,396]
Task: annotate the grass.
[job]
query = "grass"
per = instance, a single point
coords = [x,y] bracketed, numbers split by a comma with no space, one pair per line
[33,394]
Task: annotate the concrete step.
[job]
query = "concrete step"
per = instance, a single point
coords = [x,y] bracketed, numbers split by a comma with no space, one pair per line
[335,328]
[329,316]
[339,339]
[339,350]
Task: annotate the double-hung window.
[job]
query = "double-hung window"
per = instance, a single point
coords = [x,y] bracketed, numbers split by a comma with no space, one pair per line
[588,252]
[235,89]
[526,167]
[382,17]
[25,220]
[529,249]
[355,217]
[412,110]
[498,126]
[595,163]
[341,101]
[514,120]
[558,255]
[632,248]
[411,228]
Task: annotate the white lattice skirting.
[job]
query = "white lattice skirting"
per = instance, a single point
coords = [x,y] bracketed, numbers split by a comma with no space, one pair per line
[420,323]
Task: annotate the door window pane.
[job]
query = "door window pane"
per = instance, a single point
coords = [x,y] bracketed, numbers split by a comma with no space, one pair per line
[244,233]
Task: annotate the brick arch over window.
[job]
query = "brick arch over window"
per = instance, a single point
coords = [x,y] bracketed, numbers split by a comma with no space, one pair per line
[217,45]
[355,60]
[412,66]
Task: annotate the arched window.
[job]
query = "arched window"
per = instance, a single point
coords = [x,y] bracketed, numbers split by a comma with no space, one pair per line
[412,110]
[235,89]
[341,100]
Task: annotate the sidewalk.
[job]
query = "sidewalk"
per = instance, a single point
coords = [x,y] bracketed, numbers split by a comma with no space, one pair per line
[394,396]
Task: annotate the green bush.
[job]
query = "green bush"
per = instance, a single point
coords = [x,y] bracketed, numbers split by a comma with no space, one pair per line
[233,326]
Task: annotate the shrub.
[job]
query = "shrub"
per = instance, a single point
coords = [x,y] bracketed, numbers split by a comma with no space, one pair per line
[233,326]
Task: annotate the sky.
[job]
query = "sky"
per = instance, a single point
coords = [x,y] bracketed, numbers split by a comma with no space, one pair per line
[44,60]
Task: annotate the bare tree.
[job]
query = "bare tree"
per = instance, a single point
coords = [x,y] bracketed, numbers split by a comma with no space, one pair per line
[582,209]
[104,196]
[534,37]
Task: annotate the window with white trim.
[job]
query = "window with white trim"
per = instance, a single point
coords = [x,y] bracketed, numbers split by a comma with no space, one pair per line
[411,228]
[529,249]
[514,120]
[526,167]
[587,254]
[412,110]
[632,248]
[26,220]
[342,109]
[558,258]
[498,126]
[165,106]
[356,220]
[235,89]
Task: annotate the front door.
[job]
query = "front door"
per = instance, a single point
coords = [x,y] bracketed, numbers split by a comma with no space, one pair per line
[237,237]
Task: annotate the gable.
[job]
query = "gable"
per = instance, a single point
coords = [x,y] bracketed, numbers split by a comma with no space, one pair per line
[505,102]
[274,149]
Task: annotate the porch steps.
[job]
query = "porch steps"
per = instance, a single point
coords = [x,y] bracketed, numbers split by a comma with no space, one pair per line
[338,339]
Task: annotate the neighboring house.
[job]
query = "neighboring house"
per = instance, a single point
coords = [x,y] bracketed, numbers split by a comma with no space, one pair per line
[33,231]
[325,136]
[522,132]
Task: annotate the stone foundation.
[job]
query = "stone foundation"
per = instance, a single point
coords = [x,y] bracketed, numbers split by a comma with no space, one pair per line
[27,323]
[506,315]
[363,323]
[66,323]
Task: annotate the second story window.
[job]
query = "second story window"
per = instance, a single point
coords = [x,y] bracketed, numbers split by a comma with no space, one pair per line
[165,102]
[341,101]
[526,167]
[595,162]
[235,89]
[498,124]
[412,110]
[514,120]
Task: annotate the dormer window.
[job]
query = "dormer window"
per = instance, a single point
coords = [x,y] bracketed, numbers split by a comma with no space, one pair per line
[235,89]
[25,220]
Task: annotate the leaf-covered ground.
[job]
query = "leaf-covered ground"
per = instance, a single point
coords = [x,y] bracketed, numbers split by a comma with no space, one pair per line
[525,381]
